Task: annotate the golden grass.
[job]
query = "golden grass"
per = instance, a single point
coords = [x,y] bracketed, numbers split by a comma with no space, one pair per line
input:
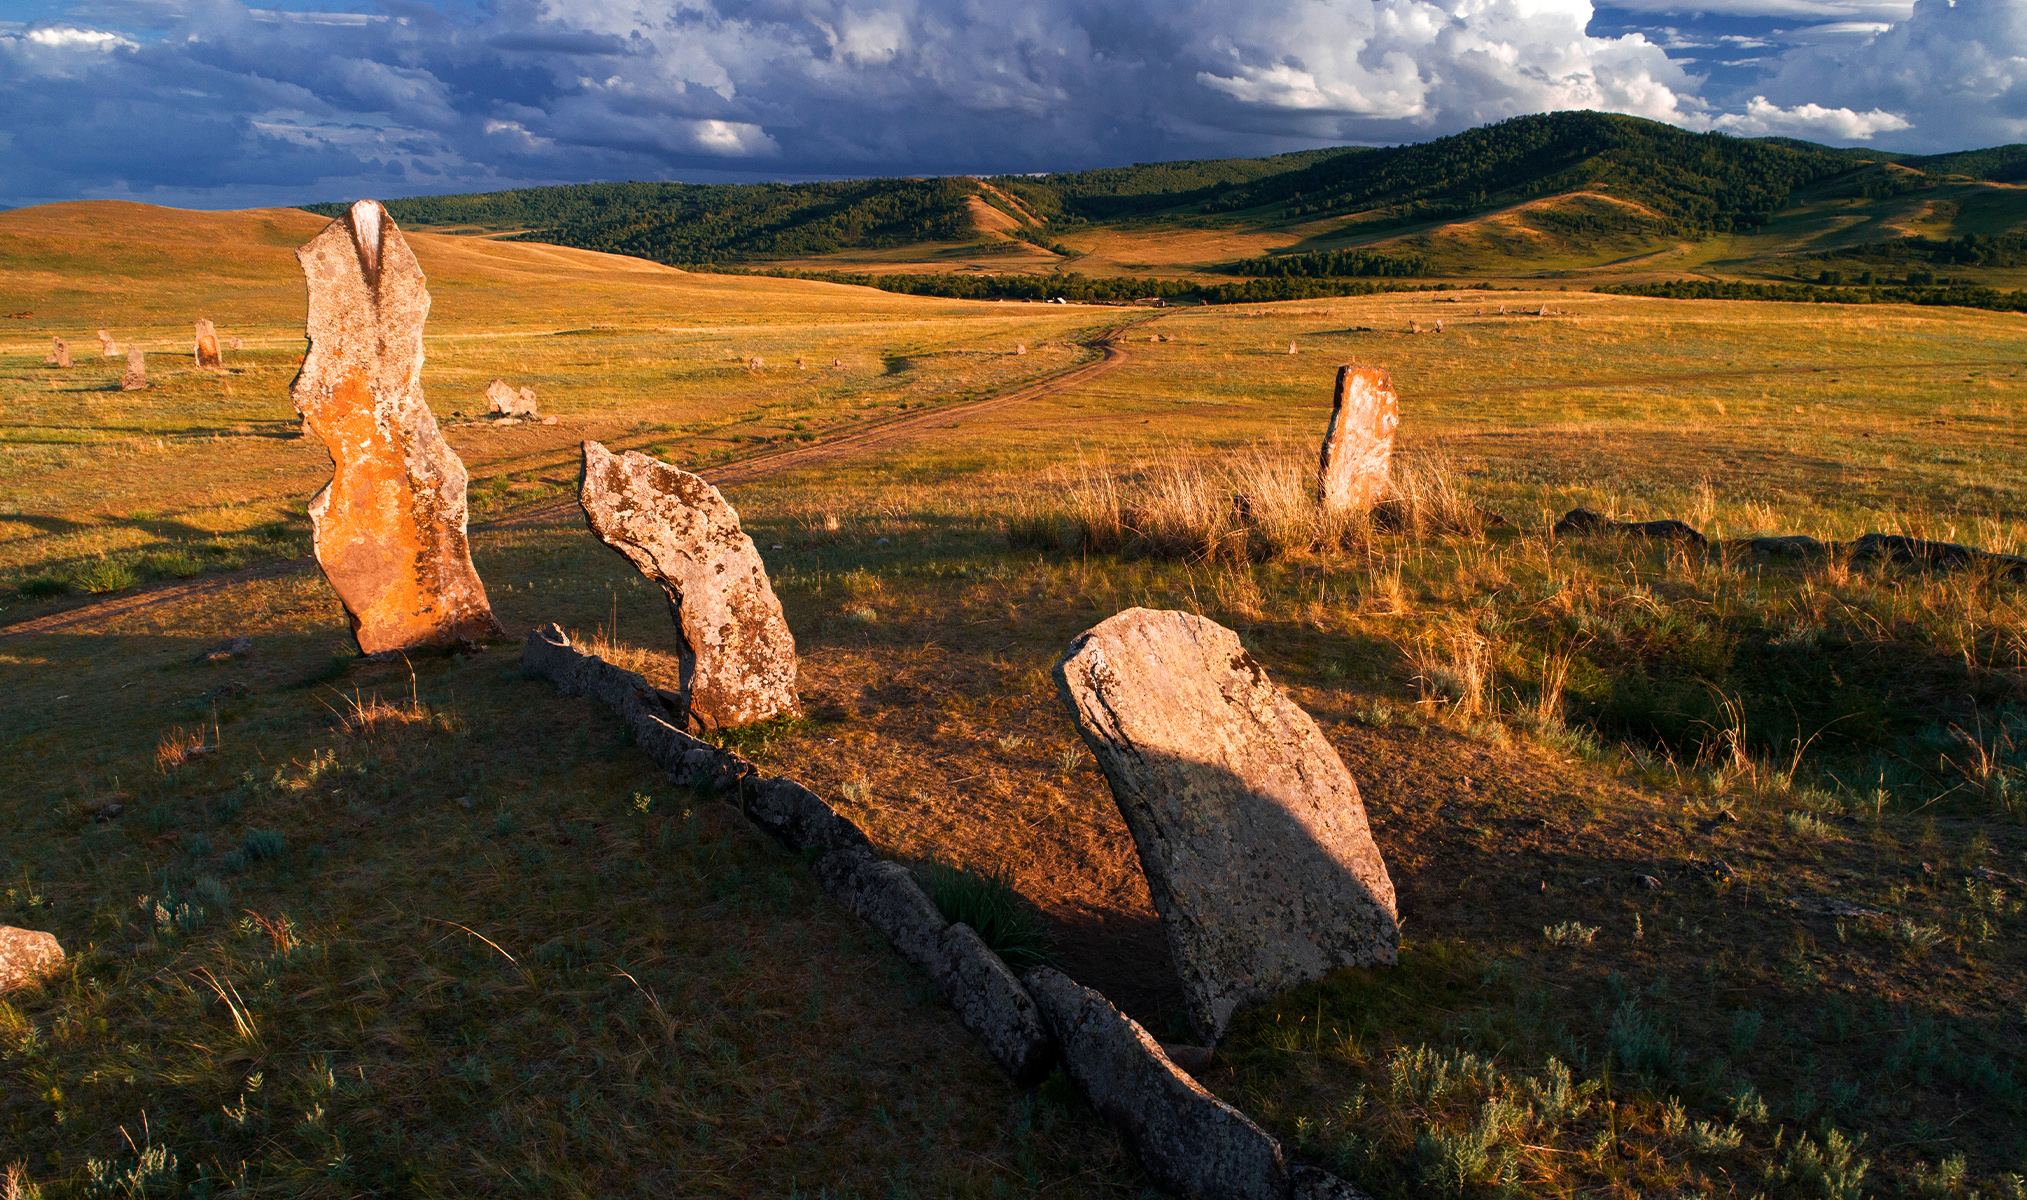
[510,958]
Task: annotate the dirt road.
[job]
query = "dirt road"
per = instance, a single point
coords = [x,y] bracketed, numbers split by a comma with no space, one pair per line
[885,435]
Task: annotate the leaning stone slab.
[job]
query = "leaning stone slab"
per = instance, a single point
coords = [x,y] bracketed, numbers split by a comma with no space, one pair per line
[504,398]
[737,663]
[136,375]
[1359,442]
[26,955]
[205,350]
[1248,825]
[1192,1143]
[389,529]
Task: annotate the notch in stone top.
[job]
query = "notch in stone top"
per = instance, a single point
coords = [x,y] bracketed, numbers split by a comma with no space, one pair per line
[365,221]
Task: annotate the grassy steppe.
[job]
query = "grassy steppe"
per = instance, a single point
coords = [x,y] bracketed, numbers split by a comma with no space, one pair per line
[445,932]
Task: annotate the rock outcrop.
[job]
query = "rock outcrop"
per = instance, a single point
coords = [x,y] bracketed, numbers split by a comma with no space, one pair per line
[507,400]
[389,529]
[26,955]
[1583,520]
[1192,1143]
[136,375]
[206,347]
[1248,825]
[1358,445]
[59,353]
[737,662]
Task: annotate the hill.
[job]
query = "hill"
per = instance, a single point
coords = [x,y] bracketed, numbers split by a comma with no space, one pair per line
[1532,196]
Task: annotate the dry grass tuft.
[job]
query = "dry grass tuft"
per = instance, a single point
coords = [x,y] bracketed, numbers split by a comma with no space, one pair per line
[178,747]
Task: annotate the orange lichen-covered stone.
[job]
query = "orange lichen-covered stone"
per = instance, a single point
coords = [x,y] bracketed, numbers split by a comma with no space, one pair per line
[206,349]
[1359,444]
[389,529]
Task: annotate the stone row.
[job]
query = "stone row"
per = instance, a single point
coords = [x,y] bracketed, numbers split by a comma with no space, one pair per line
[1871,548]
[1188,1140]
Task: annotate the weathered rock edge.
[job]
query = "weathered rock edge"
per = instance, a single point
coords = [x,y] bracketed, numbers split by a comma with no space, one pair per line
[1005,1013]
[1191,1142]
[986,996]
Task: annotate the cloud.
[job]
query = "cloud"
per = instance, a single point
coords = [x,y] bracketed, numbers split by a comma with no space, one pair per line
[1954,70]
[210,101]
[1762,118]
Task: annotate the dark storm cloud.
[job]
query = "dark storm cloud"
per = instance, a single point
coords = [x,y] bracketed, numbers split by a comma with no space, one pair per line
[215,101]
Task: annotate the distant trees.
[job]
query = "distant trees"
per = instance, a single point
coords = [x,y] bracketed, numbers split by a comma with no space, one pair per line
[1331,264]
[1957,295]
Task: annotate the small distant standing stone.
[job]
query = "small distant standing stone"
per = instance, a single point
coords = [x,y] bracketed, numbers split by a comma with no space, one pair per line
[1248,825]
[755,363]
[1543,312]
[1020,347]
[1414,326]
[1439,327]
[737,663]
[799,364]
[234,344]
[107,346]
[837,364]
[136,376]
[1358,445]
[59,353]
[26,955]
[207,345]
[1291,347]
[507,400]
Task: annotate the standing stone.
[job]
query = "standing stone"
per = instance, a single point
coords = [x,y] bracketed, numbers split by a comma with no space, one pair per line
[59,353]
[206,352]
[389,529]
[1291,348]
[106,346]
[1020,347]
[504,398]
[737,663]
[1358,445]
[235,344]
[26,955]
[136,376]
[1248,825]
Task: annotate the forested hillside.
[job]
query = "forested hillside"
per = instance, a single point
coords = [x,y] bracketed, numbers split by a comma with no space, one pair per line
[1572,183]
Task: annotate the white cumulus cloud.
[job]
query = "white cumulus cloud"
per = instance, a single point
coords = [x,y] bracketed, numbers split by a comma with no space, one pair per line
[1763,117]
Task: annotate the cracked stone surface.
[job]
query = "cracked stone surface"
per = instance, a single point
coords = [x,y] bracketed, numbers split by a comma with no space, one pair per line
[737,659]
[1247,823]
[389,529]
[1359,442]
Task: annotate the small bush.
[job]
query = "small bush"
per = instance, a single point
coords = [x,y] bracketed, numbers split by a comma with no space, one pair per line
[1569,933]
[107,576]
[262,845]
[171,564]
[39,586]
[1643,1047]
[986,901]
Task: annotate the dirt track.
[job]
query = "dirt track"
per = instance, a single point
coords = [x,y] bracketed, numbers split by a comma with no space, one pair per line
[880,436]
[885,435]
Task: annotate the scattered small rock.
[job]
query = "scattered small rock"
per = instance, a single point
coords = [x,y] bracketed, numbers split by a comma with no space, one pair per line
[1720,870]
[1647,882]
[228,650]
[26,955]
[1831,906]
[1583,520]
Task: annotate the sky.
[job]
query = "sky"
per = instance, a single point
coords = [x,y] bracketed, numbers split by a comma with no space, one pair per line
[215,104]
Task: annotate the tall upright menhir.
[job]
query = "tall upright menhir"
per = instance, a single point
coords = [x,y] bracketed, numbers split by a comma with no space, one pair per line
[1358,446]
[389,528]
[205,347]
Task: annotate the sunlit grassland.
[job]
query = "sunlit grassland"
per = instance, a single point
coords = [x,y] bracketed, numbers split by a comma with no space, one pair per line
[1535,723]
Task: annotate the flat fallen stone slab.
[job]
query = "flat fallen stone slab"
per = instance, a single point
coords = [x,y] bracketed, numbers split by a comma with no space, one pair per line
[390,528]
[1248,825]
[737,660]
[1192,1143]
